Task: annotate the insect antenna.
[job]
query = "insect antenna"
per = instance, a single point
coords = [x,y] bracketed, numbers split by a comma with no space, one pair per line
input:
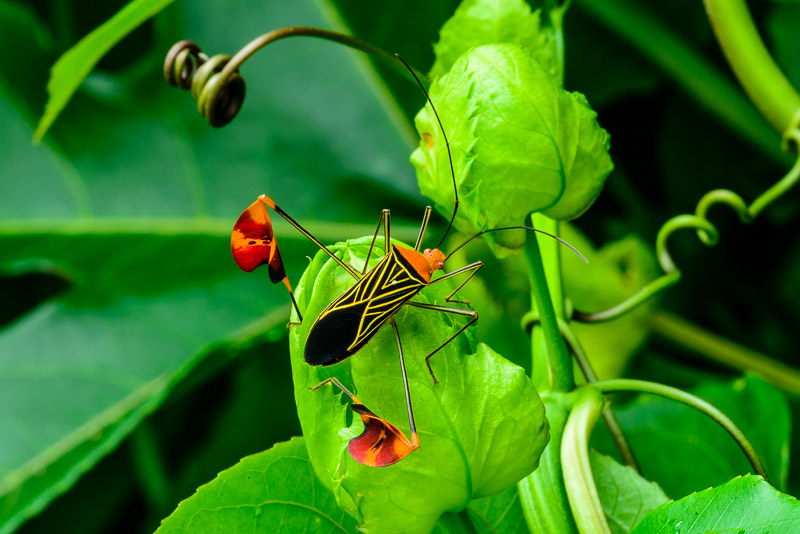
[446,144]
[573,249]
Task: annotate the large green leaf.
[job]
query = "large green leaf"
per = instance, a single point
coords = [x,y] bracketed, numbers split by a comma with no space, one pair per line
[684,451]
[273,491]
[745,505]
[72,68]
[627,498]
[481,429]
[498,513]
[131,199]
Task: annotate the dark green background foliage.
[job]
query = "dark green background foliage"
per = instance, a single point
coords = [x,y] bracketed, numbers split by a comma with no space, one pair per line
[137,361]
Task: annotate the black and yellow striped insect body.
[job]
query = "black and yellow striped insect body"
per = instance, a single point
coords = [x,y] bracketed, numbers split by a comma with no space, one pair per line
[350,321]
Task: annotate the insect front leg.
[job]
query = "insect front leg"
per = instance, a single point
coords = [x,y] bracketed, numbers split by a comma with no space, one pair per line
[446,309]
[472,268]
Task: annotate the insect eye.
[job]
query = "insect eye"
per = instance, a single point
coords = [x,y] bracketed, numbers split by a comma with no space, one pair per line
[426,251]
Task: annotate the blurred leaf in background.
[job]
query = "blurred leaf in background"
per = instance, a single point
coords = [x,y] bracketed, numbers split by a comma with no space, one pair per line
[119,298]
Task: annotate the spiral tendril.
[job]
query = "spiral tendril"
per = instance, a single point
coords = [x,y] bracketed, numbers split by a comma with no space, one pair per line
[219,95]
[216,83]
[707,233]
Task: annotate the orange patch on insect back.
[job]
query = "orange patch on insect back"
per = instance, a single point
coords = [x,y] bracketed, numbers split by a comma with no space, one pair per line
[417,262]
[381,443]
[253,241]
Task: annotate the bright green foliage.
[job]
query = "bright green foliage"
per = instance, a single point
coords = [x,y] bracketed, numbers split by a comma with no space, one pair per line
[480,22]
[520,144]
[745,505]
[273,491]
[499,513]
[482,428]
[684,451]
[72,67]
[626,496]
[615,272]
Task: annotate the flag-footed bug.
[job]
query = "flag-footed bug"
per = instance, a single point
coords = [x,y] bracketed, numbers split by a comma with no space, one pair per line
[349,322]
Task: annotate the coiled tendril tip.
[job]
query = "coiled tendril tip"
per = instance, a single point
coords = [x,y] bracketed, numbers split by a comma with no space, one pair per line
[219,97]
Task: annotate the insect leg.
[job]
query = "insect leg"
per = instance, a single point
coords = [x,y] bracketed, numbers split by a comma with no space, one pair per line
[381,443]
[294,303]
[446,309]
[425,217]
[474,267]
[412,424]
[271,204]
[385,221]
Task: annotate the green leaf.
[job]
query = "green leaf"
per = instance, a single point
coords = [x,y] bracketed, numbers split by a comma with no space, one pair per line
[615,272]
[627,498]
[272,491]
[25,70]
[481,22]
[520,144]
[75,65]
[684,451]
[745,505]
[499,513]
[482,428]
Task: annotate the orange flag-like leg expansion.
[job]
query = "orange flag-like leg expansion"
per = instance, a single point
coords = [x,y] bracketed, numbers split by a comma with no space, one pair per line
[381,443]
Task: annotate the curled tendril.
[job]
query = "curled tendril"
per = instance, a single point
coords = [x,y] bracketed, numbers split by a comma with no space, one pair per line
[706,231]
[215,82]
[219,95]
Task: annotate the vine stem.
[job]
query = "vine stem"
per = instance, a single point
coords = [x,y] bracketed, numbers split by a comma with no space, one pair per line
[641,386]
[584,499]
[761,78]
[706,232]
[609,417]
[308,31]
[725,351]
[556,358]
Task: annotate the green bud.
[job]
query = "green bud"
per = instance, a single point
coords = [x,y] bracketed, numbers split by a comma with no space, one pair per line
[481,429]
[520,144]
[480,22]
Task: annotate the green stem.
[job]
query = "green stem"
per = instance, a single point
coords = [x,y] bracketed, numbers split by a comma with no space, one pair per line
[584,500]
[706,232]
[762,79]
[542,493]
[690,70]
[552,365]
[609,417]
[641,386]
[724,351]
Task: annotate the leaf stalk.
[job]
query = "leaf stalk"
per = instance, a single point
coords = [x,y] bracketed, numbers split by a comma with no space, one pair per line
[761,78]
[584,499]
[642,386]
